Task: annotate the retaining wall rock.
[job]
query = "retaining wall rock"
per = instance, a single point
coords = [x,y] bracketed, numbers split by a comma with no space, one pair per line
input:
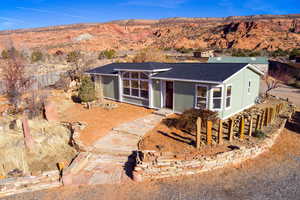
[46,180]
[158,166]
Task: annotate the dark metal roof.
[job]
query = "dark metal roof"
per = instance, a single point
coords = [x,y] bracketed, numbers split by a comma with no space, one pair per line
[111,68]
[215,72]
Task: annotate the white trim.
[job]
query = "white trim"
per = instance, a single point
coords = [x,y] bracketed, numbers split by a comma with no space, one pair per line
[120,87]
[228,108]
[240,110]
[246,66]
[139,79]
[150,94]
[141,70]
[186,80]
[212,98]
[102,74]
[207,95]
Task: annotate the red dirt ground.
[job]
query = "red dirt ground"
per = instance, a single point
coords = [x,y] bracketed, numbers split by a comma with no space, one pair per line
[100,121]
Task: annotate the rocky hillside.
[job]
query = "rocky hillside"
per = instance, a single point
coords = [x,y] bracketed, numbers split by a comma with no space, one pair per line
[251,32]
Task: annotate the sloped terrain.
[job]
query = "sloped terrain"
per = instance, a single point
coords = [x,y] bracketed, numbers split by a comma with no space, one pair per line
[253,32]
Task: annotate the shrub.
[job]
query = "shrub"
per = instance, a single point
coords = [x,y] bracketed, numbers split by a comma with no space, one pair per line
[87,91]
[294,53]
[4,54]
[150,55]
[259,134]
[73,56]
[238,53]
[187,120]
[184,50]
[108,54]
[297,84]
[36,56]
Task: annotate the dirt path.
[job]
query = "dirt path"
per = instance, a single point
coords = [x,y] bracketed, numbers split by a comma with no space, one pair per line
[274,175]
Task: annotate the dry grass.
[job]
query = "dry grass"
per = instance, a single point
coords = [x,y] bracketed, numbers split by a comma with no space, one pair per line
[50,147]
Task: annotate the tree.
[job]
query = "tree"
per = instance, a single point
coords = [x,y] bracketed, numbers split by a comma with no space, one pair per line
[15,78]
[150,55]
[73,57]
[4,54]
[274,79]
[36,56]
[87,91]
[108,54]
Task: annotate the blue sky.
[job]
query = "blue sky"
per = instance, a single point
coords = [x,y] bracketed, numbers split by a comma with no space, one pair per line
[16,14]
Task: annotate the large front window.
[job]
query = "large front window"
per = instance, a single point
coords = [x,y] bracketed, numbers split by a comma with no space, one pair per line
[201,97]
[217,98]
[136,84]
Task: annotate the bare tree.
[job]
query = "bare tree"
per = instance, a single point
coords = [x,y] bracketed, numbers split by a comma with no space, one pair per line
[274,79]
[15,78]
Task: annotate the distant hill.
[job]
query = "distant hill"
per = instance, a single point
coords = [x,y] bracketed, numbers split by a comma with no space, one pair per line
[245,32]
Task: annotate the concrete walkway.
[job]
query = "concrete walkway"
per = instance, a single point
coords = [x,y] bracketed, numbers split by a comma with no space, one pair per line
[111,159]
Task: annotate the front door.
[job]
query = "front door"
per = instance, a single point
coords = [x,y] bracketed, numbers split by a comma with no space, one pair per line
[169,95]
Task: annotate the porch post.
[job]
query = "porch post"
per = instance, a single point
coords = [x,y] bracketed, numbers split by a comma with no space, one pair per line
[150,94]
[120,86]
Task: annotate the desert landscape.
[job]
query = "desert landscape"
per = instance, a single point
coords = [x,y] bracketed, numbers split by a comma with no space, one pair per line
[160,108]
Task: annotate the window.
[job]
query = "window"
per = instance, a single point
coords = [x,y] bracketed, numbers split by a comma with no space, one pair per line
[217,97]
[228,96]
[201,97]
[249,87]
[136,84]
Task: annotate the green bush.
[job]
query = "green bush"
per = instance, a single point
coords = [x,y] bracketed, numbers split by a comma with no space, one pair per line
[187,120]
[4,54]
[87,91]
[73,56]
[238,53]
[184,50]
[294,53]
[279,53]
[36,56]
[259,134]
[108,54]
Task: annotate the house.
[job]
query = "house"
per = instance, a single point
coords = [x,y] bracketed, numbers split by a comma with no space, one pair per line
[227,88]
[204,54]
[261,63]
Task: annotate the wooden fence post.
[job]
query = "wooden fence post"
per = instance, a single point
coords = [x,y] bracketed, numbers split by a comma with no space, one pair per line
[242,127]
[250,126]
[258,119]
[262,121]
[220,140]
[231,121]
[266,117]
[198,136]
[209,132]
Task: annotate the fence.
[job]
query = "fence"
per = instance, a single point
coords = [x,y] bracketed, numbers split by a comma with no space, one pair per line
[39,81]
[237,127]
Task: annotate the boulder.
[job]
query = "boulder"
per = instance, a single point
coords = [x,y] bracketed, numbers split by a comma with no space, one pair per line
[50,112]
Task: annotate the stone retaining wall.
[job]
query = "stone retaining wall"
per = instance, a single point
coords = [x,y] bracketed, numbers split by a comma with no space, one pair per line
[18,185]
[157,166]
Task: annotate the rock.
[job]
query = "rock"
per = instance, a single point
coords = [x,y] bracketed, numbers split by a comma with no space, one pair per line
[50,112]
